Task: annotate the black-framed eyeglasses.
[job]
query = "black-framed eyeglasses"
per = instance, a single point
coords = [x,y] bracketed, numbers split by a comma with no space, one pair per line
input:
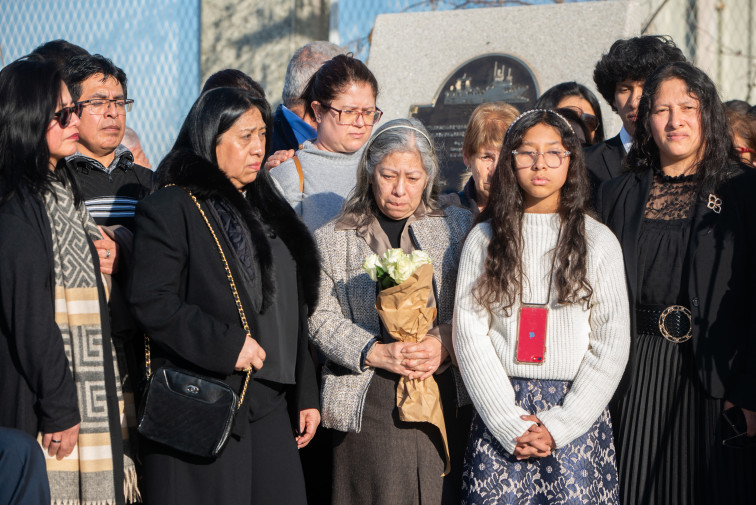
[591,121]
[348,117]
[102,105]
[64,115]
[527,159]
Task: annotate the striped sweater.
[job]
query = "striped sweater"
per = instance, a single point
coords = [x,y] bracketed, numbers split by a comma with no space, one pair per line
[111,194]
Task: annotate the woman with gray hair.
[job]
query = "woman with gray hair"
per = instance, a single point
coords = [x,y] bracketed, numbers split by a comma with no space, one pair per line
[378,458]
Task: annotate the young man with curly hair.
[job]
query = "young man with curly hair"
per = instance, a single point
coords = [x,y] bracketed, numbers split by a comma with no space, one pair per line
[619,76]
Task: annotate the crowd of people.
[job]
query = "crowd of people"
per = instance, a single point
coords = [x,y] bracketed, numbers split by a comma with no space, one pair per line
[591,335]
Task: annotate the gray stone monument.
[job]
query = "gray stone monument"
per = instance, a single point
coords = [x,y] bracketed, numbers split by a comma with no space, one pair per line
[438,66]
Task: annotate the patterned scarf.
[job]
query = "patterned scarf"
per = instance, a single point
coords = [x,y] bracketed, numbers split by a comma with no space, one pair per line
[86,476]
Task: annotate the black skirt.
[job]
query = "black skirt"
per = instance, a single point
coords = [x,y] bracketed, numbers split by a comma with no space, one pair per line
[669,449]
[260,468]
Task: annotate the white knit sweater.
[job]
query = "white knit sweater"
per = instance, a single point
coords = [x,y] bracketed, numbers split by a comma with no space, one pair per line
[589,347]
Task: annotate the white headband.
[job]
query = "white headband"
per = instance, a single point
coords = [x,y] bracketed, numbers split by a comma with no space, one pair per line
[409,127]
[541,110]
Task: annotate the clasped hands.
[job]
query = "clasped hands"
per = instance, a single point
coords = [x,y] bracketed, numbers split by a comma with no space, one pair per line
[536,442]
[413,360]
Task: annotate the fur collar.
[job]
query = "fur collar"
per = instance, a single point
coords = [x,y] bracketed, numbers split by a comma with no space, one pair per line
[263,205]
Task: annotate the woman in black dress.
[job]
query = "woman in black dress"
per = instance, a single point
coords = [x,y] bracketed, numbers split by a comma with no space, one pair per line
[685,214]
[181,296]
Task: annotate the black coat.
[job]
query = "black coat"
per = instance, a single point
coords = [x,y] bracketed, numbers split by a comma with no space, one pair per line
[37,390]
[720,276]
[179,292]
[283,137]
[604,162]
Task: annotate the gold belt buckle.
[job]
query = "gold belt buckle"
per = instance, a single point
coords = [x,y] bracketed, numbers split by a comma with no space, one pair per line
[663,328]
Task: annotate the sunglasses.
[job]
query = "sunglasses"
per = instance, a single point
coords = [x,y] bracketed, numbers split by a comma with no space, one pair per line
[591,121]
[64,115]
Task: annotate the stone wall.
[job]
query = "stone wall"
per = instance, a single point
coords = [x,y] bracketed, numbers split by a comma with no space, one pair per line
[259,37]
[413,54]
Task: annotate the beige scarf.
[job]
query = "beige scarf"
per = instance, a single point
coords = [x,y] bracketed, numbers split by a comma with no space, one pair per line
[86,476]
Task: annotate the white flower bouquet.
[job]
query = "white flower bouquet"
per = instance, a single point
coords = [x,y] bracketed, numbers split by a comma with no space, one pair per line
[406,282]
[394,267]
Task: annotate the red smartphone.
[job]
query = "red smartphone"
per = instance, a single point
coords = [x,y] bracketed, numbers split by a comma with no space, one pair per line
[531,334]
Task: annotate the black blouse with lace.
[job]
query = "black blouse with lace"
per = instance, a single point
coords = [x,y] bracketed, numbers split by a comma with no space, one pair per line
[663,240]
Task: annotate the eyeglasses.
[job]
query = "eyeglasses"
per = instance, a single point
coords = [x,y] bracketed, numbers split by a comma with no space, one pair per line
[102,105]
[64,115]
[591,121]
[349,117]
[528,159]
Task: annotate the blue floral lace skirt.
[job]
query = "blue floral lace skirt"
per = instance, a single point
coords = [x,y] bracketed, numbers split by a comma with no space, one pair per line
[582,472]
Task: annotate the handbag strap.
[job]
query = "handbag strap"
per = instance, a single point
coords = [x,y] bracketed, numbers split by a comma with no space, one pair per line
[237,300]
[298,164]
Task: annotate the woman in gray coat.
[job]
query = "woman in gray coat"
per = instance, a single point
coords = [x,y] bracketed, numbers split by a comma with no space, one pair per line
[377,457]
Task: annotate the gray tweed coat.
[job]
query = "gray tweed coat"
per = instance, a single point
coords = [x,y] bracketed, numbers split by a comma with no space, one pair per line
[346,320]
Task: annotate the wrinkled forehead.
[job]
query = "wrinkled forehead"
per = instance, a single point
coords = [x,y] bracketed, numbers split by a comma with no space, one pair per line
[101,86]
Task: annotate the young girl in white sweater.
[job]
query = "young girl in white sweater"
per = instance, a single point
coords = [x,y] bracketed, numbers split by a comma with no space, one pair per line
[541,328]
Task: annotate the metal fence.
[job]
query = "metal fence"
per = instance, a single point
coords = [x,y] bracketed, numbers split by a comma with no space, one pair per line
[717,35]
[156,42]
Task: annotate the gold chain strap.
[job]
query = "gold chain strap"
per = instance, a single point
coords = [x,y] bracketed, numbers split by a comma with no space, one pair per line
[239,307]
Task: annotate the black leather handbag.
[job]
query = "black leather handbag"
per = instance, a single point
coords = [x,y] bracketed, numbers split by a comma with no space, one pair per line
[187,411]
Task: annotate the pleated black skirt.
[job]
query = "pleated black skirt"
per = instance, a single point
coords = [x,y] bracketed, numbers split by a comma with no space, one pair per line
[668,445]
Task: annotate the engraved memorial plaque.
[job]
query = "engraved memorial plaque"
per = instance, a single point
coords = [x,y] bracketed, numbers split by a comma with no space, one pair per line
[489,78]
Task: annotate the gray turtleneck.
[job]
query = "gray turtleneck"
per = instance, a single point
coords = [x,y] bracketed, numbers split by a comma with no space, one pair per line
[328,180]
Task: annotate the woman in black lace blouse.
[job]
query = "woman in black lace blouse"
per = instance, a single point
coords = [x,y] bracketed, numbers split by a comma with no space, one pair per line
[685,214]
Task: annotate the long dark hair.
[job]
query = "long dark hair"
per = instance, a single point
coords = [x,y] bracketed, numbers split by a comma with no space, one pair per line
[214,112]
[501,283]
[29,95]
[552,96]
[718,150]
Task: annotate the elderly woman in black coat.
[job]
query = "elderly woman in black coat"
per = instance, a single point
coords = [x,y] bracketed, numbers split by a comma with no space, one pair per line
[181,295]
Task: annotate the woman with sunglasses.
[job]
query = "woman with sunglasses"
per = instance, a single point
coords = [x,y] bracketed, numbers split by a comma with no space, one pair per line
[60,379]
[340,97]
[580,99]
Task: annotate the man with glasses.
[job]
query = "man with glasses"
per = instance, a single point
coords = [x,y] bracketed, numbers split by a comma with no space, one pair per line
[110,182]
[619,76]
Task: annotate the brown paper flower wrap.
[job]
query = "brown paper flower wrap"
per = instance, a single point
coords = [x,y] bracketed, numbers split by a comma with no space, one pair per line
[406,316]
